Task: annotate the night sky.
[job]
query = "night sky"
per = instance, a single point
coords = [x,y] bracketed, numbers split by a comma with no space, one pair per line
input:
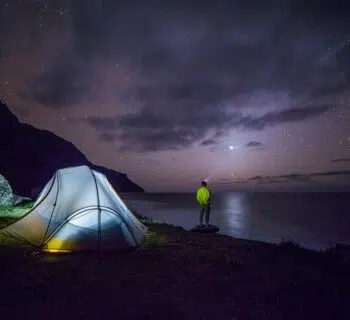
[250,94]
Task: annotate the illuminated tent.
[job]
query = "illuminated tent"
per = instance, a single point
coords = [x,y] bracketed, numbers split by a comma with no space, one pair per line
[78,209]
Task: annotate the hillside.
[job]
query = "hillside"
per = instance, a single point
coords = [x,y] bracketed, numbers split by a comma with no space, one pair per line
[30,156]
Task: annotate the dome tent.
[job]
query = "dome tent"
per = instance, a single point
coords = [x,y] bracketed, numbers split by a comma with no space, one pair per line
[78,210]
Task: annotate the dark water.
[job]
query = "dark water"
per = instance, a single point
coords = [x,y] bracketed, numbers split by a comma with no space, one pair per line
[314,220]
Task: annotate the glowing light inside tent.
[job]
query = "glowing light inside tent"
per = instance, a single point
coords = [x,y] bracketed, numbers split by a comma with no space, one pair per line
[56,251]
[55,245]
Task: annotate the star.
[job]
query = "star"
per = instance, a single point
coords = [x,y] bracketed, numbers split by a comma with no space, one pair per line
[151,93]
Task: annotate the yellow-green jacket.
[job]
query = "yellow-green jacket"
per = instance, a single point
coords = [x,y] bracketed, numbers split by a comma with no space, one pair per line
[203,195]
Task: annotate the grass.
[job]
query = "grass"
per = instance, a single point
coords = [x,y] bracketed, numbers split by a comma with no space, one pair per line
[10,214]
[176,274]
[289,244]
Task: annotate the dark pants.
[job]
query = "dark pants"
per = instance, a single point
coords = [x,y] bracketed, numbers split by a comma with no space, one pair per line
[205,209]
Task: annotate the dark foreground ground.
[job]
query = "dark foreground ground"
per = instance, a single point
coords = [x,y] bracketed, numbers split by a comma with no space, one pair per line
[176,275]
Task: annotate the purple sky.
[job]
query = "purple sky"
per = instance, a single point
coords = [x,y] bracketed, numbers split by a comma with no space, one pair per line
[162,89]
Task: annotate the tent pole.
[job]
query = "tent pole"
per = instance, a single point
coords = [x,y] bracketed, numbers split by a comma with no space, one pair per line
[99,230]
[54,206]
[99,213]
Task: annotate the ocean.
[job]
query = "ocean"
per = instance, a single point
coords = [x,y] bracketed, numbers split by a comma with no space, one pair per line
[313,220]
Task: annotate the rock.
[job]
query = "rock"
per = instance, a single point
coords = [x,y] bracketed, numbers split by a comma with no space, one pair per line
[6,195]
[17,200]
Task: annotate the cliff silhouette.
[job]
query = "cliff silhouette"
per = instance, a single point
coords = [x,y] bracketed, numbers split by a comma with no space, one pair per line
[30,156]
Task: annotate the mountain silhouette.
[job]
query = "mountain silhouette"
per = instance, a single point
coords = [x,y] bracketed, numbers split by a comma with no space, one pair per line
[30,156]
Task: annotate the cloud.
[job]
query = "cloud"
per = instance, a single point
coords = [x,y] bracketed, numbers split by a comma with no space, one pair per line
[103,123]
[309,176]
[184,129]
[264,180]
[62,84]
[209,142]
[154,131]
[195,76]
[293,177]
[331,173]
[107,137]
[285,116]
[228,181]
[254,144]
[67,78]
[341,160]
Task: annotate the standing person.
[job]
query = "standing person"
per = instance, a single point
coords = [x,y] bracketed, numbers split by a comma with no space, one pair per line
[203,198]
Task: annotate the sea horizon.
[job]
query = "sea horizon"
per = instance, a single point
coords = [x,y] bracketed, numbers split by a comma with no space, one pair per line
[315,220]
[247,191]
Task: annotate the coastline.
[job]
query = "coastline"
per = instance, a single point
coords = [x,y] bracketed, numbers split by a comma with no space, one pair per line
[312,221]
[177,274]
